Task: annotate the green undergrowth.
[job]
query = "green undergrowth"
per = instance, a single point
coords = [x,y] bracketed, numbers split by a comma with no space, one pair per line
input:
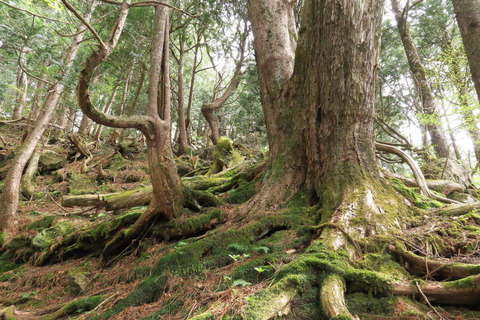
[364,304]
[413,195]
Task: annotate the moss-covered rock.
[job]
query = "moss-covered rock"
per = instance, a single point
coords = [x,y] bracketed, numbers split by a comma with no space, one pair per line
[413,195]
[50,160]
[46,238]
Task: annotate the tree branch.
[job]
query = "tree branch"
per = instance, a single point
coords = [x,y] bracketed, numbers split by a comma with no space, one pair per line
[85,22]
[153,3]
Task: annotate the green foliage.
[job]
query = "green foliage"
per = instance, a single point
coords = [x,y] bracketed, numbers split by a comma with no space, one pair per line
[43,223]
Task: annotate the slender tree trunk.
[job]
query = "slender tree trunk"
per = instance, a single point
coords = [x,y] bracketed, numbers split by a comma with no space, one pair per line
[9,197]
[107,108]
[117,133]
[188,120]
[468,17]
[437,133]
[181,127]
[21,84]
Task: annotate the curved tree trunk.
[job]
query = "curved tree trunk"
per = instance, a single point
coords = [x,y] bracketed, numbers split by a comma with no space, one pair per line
[167,197]
[209,109]
[468,17]
[437,133]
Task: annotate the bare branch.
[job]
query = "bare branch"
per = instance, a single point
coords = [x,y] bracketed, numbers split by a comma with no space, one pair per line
[85,22]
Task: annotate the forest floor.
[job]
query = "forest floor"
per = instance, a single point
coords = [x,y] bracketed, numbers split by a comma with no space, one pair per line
[47,291]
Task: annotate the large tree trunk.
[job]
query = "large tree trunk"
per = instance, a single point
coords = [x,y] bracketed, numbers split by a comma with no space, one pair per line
[468,18]
[320,117]
[419,73]
[11,189]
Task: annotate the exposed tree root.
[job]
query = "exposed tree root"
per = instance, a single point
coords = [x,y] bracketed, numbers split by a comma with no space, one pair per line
[333,300]
[443,186]
[460,292]
[417,172]
[458,209]
[421,266]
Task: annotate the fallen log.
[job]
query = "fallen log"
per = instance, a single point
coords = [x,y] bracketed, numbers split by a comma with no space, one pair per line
[111,201]
[458,209]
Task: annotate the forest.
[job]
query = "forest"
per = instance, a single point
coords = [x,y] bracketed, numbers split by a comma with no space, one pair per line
[241,160]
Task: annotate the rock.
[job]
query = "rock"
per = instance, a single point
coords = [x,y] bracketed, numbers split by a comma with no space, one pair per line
[462,197]
[50,160]
[77,282]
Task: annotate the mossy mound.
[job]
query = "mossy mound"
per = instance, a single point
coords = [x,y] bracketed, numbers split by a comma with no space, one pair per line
[50,160]
[48,237]
[79,184]
[41,224]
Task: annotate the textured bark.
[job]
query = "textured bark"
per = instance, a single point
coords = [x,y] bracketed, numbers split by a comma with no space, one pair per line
[27,186]
[10,192]
[320,117]
[419,73]
[468,18]
[107,108]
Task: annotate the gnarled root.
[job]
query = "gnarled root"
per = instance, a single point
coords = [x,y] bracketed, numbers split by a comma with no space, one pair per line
[421,266]
[460,292]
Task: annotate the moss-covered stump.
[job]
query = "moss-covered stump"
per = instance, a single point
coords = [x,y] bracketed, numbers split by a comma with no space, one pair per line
[224,156]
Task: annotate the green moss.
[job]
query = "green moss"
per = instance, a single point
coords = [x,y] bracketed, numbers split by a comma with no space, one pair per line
[46,238]
[242,193]
[377,283]
[256,270]
[43,223]
[81,184]
[118,163]
[384,263]
[76,306]
[465,283]
[342,317]
[107,228]
[169,308]
[414,196]
[204,183]
[361,303]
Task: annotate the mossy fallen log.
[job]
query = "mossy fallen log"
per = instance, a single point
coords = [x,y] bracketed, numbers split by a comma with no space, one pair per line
[111,201]
[82,304]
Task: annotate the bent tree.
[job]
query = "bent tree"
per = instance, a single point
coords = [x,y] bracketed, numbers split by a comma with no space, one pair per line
[155,124]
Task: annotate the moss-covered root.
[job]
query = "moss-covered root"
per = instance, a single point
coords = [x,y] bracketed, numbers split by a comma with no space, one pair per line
[8,313]
[275,301]
[82,304]
[460,292]
[421,266]
[333,299]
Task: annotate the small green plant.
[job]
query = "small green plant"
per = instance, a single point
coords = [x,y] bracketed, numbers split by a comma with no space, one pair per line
[260,269]
[240,282]
[235,257]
